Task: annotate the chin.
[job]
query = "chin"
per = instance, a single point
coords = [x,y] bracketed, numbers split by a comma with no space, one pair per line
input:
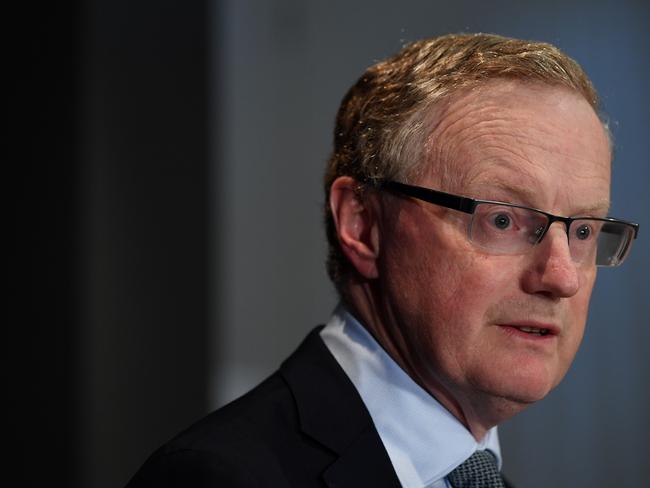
[521,385]
[525,395]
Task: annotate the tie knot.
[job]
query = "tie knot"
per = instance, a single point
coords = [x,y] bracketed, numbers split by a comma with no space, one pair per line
[478,471]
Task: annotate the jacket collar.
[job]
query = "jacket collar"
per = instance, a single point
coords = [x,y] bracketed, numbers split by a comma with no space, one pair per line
[332,413]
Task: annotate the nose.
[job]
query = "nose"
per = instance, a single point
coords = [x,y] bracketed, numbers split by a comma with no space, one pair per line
[552,271]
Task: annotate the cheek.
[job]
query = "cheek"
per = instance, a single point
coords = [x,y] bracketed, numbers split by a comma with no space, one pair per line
[451,316]
[439,285]
[577,316]
[471,283]
[579,304]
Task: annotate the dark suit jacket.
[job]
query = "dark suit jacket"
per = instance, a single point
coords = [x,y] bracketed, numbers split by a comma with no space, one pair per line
[305,426]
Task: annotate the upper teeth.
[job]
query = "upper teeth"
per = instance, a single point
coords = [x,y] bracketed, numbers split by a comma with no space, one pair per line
[532,330]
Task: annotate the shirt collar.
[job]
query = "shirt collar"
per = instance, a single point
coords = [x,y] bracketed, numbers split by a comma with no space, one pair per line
[423,439]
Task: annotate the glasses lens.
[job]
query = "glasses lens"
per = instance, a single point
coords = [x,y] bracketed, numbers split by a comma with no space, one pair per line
[614,242]
[506,229]
[605,242]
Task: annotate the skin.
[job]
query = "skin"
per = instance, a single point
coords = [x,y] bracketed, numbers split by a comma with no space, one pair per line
[446,310]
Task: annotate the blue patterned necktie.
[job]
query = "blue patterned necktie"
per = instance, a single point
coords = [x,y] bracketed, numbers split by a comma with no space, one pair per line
[478,471]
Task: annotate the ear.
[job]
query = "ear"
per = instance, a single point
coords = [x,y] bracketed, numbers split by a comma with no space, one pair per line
[357,225]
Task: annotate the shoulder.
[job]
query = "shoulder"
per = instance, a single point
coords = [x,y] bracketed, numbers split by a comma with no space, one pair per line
[228,446]
[191,467]
[259,439]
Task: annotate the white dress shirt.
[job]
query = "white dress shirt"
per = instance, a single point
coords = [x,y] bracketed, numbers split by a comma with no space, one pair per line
[424,441]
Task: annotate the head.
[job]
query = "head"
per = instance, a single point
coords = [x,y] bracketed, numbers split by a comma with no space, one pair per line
[485,117]
[384,122]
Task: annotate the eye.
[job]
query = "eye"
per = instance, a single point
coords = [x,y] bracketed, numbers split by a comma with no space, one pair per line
[583,232]
[501,221]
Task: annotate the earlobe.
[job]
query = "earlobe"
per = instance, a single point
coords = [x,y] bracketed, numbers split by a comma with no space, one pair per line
[356,225]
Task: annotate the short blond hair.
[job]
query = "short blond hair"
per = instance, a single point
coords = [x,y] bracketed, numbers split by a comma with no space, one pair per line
[381,125]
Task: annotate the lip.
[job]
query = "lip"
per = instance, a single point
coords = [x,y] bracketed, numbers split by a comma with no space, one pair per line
[514,328]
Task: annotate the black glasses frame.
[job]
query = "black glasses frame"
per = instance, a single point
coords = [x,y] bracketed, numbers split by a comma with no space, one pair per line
[468,205]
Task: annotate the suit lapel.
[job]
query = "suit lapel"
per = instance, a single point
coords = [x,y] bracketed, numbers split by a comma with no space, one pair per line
[332,413]
[356,467]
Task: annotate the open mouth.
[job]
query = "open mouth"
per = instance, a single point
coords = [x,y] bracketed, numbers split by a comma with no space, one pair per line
[534,330]
[531,329]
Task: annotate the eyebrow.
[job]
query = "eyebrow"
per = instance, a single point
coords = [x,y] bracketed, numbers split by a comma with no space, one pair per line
[526,196]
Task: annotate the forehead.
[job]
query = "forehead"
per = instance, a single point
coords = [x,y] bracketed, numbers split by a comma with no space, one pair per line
[531,143]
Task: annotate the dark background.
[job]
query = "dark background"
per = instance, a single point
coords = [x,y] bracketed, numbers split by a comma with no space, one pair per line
[107,338]
[169,250]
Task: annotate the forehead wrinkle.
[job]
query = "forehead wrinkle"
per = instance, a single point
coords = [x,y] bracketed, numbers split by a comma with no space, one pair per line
[512,135]
[444,134]
[488,128]
[470,131]
[484,183]
[523,152]
[467,157]
[524,194]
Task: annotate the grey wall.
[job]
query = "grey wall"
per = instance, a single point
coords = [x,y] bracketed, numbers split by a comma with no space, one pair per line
[286,65]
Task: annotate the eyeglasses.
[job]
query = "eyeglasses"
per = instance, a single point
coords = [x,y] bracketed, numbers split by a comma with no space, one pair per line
[507,228]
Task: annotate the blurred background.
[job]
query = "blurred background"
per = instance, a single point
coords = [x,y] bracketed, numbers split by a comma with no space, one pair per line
[170,251]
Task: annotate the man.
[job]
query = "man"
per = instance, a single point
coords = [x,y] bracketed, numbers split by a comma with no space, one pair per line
[461,302]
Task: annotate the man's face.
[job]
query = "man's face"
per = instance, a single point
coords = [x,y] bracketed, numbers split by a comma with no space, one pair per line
[453,309]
